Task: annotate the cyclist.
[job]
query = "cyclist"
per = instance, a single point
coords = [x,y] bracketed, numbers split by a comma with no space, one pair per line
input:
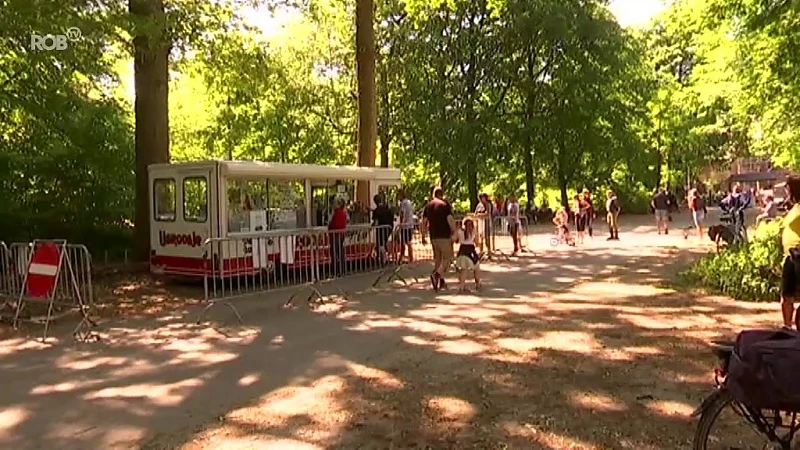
[790,240]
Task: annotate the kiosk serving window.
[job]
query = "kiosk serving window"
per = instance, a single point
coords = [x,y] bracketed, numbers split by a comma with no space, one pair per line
[265,205]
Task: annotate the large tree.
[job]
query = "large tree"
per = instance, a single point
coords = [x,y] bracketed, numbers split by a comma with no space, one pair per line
[367,109]
[151,46]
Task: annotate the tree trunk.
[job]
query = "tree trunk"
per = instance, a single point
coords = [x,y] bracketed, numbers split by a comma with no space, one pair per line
[562,186]
[530,183]
[472,183]
[150,63]
[384,116]
[367,110]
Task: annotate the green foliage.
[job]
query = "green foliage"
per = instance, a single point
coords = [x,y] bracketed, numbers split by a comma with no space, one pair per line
[537,98]
[748,272]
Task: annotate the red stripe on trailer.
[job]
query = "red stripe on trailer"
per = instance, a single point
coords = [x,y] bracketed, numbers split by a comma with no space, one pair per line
[42,270]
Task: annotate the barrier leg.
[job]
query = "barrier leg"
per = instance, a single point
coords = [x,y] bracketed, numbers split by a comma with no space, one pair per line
[213,303]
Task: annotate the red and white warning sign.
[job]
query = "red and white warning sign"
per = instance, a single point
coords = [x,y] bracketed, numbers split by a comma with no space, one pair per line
[43,269]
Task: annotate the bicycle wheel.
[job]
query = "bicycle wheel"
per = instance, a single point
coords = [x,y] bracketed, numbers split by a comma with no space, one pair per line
[554,242]
[722,428]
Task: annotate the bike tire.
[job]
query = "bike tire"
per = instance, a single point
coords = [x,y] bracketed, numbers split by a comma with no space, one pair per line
[554,242]
[707,419]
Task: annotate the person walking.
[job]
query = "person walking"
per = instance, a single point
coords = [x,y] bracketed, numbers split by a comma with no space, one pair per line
[514,221]
[612,214]
[660,206]
[438,218]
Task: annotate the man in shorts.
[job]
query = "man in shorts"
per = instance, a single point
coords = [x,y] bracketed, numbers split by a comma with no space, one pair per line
[406,230]
[790,240]
[438,217]
[661,206]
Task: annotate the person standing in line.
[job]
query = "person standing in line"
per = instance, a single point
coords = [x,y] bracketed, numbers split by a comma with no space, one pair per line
[698,207]
[383,219]
[484,213]
[660,206]
[612,214]
[406,231]
[337,227]
[438,218]
[514,221]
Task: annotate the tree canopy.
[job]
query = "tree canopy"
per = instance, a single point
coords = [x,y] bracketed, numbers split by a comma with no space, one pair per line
[536,98]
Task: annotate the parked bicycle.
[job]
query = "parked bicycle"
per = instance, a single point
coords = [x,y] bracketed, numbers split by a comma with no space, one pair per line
[754,404]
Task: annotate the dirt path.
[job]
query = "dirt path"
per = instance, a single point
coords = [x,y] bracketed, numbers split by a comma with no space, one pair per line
[575,348]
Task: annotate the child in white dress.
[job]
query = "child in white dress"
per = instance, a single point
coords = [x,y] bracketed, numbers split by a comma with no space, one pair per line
[467,258]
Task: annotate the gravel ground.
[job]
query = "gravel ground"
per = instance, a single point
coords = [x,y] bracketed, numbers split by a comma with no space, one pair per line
[585,348]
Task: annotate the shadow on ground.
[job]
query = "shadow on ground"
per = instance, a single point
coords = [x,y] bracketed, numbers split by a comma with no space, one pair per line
[575,348]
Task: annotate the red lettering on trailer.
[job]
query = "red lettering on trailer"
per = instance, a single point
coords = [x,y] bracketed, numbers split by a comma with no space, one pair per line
[177,239]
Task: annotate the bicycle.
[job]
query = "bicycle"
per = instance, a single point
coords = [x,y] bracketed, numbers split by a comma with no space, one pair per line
[562,238]
[770,431]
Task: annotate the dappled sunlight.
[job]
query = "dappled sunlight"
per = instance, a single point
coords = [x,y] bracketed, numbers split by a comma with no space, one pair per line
[85,361]
[620,290]
[455,313]
[449,411]
[671,408]
[517,345]
[651,319]
[9,347]
[375,377]
[249,380]
[461,347]
[533,433]
[265,441]
[293,417]
[168,394]
[567,341]
[10,417]
[596,402]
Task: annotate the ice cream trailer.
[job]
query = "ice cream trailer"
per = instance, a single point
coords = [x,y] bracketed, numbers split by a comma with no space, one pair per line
[279,205]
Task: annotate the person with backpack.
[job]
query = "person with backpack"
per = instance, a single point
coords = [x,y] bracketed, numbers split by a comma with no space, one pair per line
[698,207]
[612,214]
[790,241]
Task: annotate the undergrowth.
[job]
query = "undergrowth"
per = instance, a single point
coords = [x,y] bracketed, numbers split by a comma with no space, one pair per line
[749,272]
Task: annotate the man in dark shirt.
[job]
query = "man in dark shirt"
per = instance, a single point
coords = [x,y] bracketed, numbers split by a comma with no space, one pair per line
[383,220]
[661,205]
[438,217]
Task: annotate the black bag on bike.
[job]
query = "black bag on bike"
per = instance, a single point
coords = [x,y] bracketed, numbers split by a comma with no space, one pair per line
[764,369]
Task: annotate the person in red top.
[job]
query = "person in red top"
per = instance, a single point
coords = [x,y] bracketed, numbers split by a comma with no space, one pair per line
[337,226]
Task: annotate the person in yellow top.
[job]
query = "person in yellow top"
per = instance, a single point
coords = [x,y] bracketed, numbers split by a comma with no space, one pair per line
[790,240]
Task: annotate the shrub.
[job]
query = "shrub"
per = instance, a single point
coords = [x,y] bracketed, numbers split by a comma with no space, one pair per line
[633,198]
[747,272]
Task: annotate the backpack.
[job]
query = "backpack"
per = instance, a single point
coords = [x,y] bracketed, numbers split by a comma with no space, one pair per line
[764,369]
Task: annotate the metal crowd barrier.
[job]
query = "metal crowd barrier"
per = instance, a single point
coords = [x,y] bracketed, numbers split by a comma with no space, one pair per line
[72,289]
[300,261]
[295,260]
